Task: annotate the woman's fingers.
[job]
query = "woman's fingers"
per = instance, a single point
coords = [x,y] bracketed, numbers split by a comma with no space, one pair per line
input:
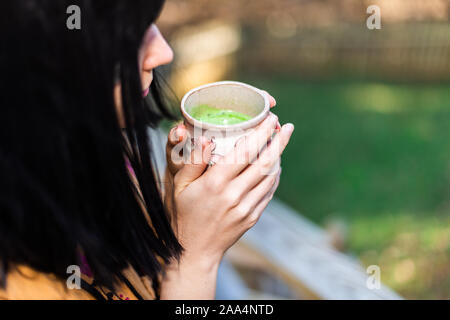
[177,134]
[194,168]
[272,100]
[267,161]
[259,208]
[272,103]
[175,142]
[270,156]
[246,150]
[262,192]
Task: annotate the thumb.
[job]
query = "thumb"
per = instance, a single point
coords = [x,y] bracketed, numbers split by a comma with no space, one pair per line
[196,165]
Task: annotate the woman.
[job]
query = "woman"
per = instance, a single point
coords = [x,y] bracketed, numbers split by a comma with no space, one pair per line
[74,115]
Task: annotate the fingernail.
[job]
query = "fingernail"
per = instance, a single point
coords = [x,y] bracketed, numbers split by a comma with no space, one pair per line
[278,128]
[181,131]
[212,143]
[175,134]
[289,128]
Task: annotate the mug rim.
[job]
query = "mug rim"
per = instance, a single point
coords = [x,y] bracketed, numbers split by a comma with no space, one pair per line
[238,126]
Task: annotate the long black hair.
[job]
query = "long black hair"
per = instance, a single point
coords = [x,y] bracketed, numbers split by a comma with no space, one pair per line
[64,185]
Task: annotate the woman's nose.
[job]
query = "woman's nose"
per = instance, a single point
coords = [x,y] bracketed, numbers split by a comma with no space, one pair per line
[157,51]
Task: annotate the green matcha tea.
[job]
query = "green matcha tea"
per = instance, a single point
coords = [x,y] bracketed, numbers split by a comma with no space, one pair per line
[208,114]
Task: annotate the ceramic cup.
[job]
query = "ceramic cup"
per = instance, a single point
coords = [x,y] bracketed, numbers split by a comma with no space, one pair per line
[228,95]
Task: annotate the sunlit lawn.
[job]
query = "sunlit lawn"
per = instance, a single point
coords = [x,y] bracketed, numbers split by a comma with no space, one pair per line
[376,156]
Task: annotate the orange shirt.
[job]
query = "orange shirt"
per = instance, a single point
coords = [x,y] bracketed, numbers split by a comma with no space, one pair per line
[24,283]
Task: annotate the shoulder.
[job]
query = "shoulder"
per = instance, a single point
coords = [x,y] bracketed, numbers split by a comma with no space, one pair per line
[23,283]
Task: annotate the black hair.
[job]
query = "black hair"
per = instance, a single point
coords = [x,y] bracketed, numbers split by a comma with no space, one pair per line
[64,185]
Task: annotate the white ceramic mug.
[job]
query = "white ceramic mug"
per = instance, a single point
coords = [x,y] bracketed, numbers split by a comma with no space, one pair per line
[230,95]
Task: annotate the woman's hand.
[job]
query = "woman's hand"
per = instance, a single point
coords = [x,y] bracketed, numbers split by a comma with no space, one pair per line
[177,138]
[215,208]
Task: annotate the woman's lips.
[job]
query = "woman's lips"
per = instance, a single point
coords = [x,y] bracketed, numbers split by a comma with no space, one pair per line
[145,92]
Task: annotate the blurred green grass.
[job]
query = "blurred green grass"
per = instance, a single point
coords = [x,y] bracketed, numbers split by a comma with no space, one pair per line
[376,156]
